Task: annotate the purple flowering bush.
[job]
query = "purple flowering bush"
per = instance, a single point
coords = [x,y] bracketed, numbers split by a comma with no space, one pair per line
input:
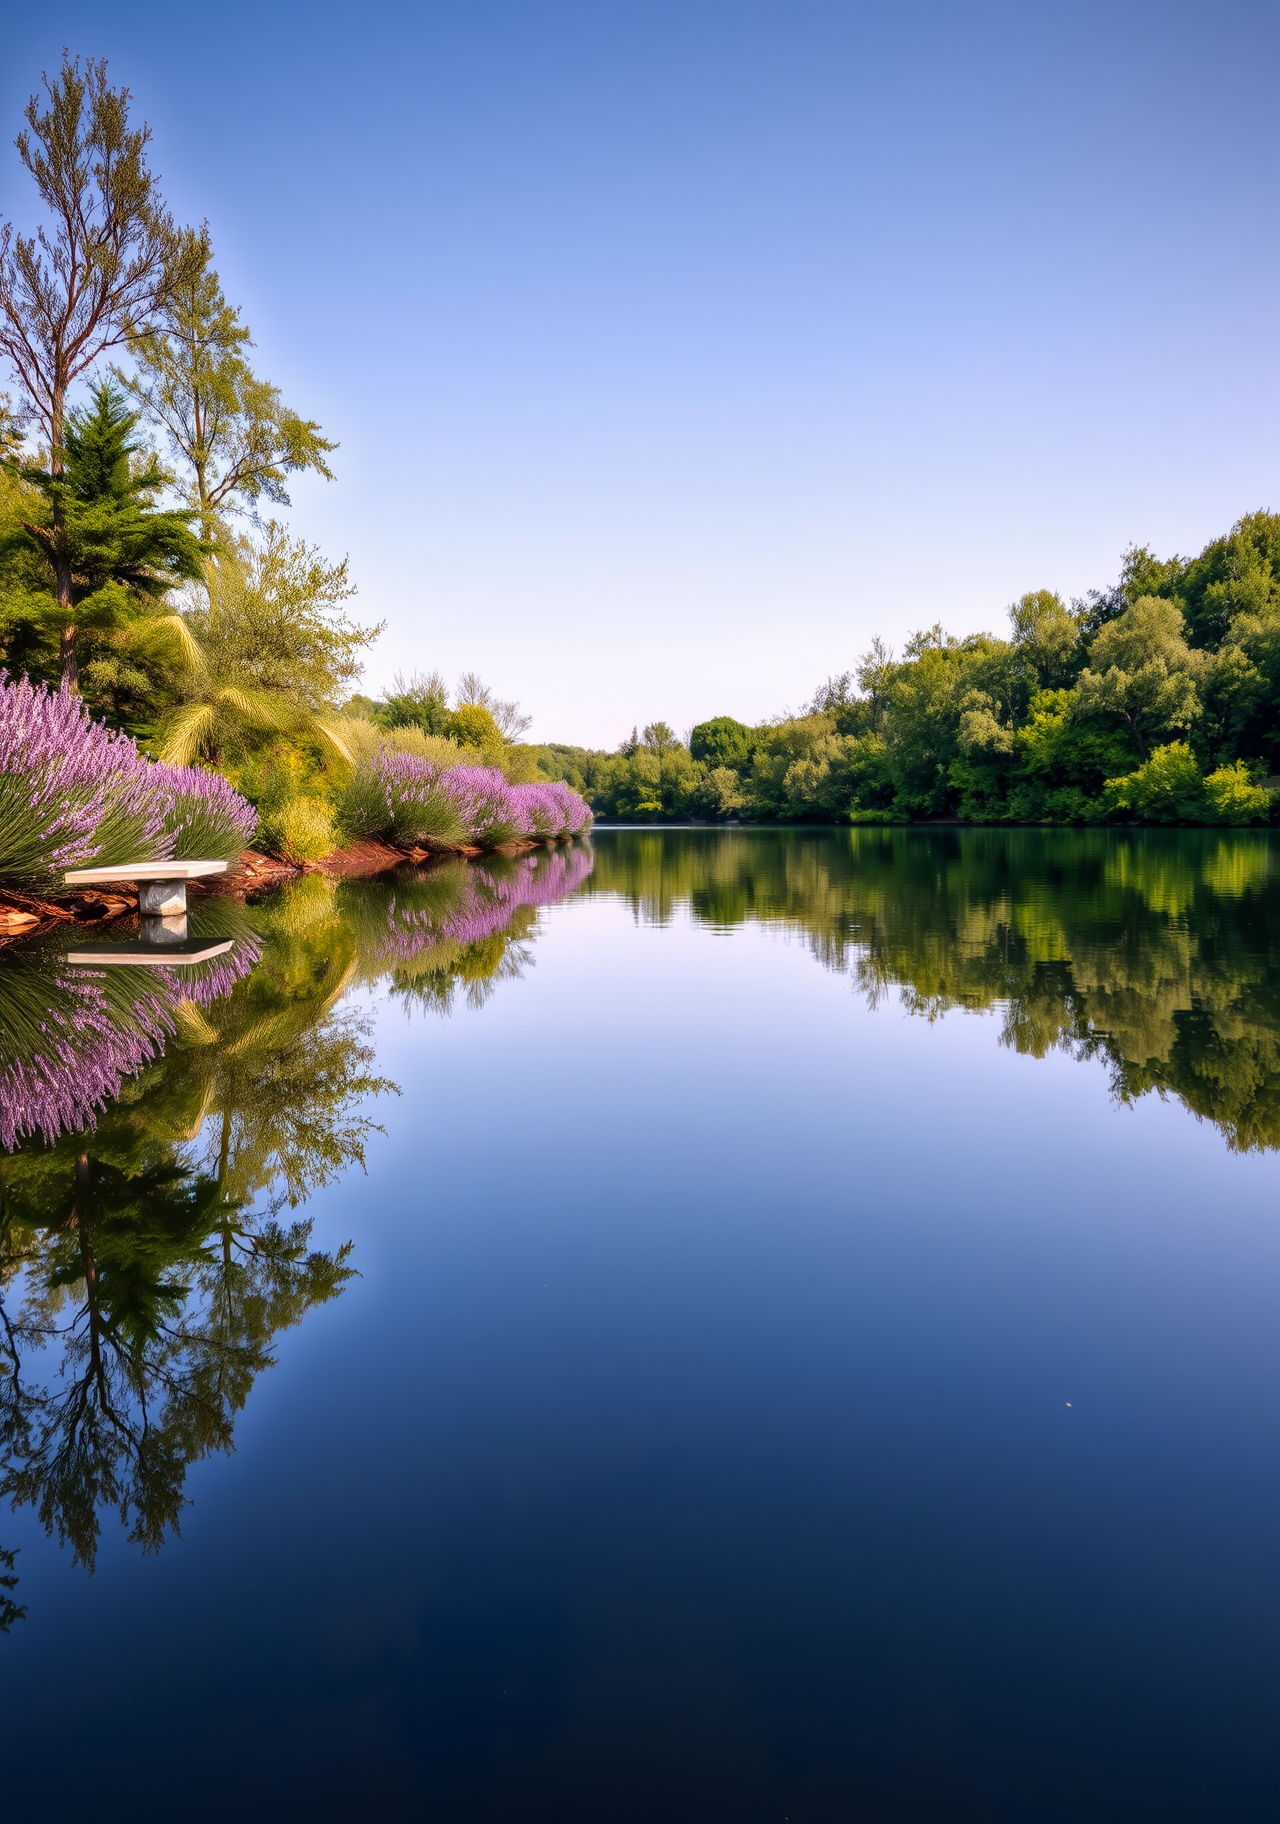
[73,792]
[205,816]
[486,802]
[402,798]
[551,809]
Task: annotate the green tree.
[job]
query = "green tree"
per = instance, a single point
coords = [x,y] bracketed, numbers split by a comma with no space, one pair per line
[93,278]
[100,526]
[1047,636]
[1142,671]
[723,742]
[1238,574]
[233,435]
[659,739]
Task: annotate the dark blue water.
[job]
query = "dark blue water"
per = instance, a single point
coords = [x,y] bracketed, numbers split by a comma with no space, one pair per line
[771,1391]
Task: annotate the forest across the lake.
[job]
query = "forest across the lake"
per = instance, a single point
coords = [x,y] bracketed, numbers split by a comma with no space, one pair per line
[1155,701]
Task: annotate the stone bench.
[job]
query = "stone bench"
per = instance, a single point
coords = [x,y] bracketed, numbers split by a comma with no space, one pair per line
[162,885]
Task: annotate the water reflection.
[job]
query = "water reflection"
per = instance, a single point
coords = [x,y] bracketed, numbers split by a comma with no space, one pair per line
[1153,950]
[168,1122]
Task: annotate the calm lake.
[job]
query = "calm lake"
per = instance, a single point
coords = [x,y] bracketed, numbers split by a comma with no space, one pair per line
[801,1346]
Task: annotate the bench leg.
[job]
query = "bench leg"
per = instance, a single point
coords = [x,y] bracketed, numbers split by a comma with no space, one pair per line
[163,930]
[162,898]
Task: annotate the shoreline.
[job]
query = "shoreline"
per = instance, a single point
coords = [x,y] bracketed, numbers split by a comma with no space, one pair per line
[25,915]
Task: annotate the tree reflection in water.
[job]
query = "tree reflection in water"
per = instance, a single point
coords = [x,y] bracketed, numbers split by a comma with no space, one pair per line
[151,1256]
[1153,950]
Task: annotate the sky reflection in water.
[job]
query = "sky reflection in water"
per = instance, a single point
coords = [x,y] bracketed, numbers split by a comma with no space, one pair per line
[768,1391]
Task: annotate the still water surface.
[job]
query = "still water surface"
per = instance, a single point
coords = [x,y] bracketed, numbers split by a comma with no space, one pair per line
[801,1346]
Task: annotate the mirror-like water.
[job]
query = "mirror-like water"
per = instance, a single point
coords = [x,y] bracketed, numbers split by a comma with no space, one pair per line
[801,1344]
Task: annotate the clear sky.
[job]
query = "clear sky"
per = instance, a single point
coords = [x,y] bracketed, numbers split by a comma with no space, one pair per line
[676,347]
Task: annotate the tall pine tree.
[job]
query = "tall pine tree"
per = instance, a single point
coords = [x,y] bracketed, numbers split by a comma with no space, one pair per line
[106,544]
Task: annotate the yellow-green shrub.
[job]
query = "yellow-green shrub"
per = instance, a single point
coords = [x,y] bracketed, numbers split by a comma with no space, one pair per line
[1234,798]
[300,830]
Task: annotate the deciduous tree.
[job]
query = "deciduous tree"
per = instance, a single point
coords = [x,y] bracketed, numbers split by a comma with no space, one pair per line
[236,439]
[94,274]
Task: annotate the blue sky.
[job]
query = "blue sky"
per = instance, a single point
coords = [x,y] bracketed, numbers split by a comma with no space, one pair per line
[676,349]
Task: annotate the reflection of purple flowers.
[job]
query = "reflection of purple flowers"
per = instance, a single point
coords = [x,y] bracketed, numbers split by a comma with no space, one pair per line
[204,983]
[487,902]
[73,791]
[73,1033]
[87,1046]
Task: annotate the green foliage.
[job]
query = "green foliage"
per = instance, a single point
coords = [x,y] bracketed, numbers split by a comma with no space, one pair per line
[723,742]
[479,722]
[1167,788]
[1157,700]
[273,653]
[230,431]
[1234,797]
[301,829]
[1235,575]
[472,725]
[1142,671]
[96,518]
[421,701]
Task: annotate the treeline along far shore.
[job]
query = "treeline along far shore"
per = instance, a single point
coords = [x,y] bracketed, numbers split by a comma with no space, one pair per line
[1154,701]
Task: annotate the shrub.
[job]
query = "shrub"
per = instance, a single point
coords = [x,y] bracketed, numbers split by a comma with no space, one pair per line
[301,830]
[1167,788]
[74,792]
[489,811]
[577,812]
[1234,798]
[206,818]
[402,799]
[71,791]
[549,809]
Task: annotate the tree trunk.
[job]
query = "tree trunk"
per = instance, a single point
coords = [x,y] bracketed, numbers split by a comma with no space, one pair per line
[61,559]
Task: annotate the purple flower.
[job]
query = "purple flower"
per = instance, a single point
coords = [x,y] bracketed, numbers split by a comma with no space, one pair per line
[73,791]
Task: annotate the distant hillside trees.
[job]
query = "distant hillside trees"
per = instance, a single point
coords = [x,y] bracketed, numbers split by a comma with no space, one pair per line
[1155,701]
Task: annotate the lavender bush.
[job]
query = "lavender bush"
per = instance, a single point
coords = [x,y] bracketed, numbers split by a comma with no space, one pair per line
[485,799]
[73,792]
[550,809]
[401,798]
[205,817]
